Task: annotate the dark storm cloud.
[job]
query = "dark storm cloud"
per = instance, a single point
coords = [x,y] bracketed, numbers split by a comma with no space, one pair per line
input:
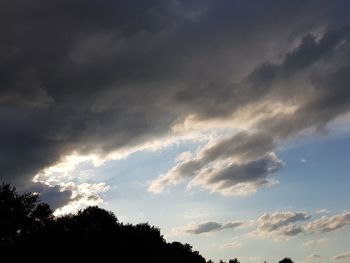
[100,75]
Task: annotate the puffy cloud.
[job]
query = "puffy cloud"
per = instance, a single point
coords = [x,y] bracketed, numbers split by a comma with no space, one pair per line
[284,225]
[207,227]
[280,224]
[239,178]
[84,194]
[328,224]
[231,166]
[96,77]
[343,256]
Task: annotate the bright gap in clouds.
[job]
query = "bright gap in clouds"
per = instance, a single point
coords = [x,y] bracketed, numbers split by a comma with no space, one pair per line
[226,147]
[77,173]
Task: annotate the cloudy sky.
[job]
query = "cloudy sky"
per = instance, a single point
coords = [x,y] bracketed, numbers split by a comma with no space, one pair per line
[226,123]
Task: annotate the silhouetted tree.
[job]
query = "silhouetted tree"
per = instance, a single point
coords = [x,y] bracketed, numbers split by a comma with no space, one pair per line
[20,214]
[286,260]
[235,260]
[26,224]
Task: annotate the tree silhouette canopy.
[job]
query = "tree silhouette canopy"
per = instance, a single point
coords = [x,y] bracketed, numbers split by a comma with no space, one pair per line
[28,225]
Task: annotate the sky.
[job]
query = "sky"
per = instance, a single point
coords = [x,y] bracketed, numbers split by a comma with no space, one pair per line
[225,123]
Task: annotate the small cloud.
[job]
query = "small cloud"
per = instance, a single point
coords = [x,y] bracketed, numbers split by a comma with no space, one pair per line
[312,256]
[232,245]
[303,160]
[207,227]
[323,211]
[342,256]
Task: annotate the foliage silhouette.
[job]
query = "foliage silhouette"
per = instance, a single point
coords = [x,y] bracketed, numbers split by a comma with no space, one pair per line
[286,260]
[28,225]
[21,215]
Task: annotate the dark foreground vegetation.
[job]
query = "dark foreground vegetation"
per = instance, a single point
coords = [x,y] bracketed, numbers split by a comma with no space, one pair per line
[29,229]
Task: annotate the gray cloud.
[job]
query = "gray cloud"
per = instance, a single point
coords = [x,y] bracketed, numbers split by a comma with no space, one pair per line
[55,196]
[207,227]
[277,225]
[244,147]
[240,179]
[280,224]
[284,224]
[301,80]
[92,76]
[342,256]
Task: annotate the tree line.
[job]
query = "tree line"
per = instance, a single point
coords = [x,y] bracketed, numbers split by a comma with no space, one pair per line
[28,229]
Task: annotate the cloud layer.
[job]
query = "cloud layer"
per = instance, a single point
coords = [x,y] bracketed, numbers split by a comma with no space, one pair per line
[96,77]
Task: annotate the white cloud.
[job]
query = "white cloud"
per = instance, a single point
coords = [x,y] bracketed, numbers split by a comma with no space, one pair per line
[323,211]
[82,195]
[328,224]
[184,156]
